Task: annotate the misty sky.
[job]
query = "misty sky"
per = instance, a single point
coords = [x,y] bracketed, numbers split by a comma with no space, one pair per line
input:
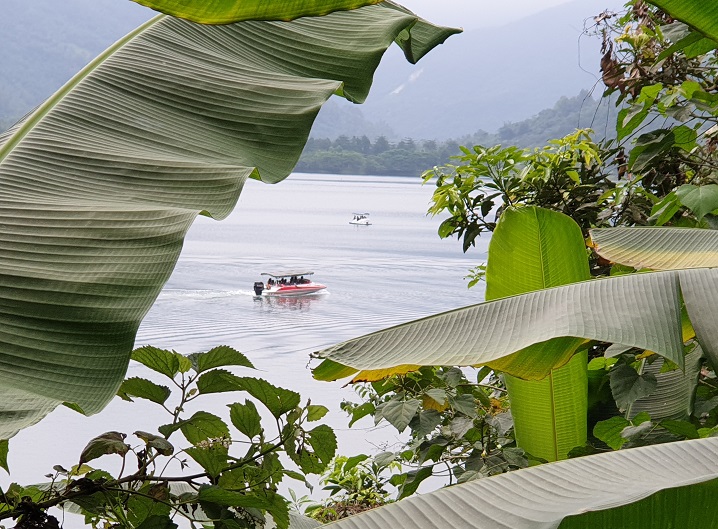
[471,14]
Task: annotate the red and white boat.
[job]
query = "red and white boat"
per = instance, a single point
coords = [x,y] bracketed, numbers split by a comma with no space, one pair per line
[292,283]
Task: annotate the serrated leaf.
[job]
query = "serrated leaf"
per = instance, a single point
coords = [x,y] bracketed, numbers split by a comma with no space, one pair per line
[200,427]
[324,442]
[277,400]
[143,389]
[107,443]
[213,458]
[218,381]
[159,360]
[220,356]
[400,412]
[246,418]
[185,364]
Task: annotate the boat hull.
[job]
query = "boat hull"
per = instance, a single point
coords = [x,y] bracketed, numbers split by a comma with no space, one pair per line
[293,290]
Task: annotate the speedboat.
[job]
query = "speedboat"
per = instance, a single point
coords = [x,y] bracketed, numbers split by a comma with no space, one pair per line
[360,219]
[292,283]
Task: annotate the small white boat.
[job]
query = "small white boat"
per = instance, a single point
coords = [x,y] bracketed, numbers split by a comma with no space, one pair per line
[291,283]
[360,219]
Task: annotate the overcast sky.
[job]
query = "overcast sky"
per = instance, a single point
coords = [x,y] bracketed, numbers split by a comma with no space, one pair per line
[470,14]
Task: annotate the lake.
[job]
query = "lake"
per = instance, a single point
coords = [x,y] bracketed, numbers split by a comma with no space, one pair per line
[393,271]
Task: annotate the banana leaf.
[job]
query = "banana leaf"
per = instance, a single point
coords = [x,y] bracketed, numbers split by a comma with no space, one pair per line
[532,249]
[638,310]
[103,180]
[229,11]
[658,248]
[699,14]
[667,485]
[670,249]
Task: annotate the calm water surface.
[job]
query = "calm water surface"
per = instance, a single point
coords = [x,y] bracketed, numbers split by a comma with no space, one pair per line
[391,272]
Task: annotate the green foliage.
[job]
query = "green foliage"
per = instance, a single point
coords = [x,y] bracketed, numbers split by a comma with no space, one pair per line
[240,468]
[458,428]
[567,175]
[355,484]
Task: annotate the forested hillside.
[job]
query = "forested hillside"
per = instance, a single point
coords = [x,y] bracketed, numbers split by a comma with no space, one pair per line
[410,157]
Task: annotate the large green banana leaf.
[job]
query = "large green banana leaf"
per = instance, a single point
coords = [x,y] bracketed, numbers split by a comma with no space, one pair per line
[532,249]
[667,485]
[700,14]
[229,11]
[667,249]
[658,248]
[101,182]
[675,390]
[640,310]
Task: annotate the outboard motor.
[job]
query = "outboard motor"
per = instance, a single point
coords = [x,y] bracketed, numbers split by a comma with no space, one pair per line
[258,287]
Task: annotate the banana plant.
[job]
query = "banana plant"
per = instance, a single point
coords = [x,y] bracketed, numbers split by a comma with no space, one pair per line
[532,249]
[636,310]
[102,181]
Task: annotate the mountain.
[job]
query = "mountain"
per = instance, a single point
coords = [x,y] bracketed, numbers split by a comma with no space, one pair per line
[478,80]
[484,78]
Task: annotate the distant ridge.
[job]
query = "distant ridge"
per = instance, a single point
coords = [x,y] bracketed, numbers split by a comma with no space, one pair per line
[484,78]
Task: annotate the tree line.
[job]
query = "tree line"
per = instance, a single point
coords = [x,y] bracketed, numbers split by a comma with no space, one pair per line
[409,157]
[359,155]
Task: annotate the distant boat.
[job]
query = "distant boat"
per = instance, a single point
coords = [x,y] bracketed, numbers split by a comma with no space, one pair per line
[360,219]
[292,283]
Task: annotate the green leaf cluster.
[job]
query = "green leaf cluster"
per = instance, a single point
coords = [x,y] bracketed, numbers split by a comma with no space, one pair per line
[242,461]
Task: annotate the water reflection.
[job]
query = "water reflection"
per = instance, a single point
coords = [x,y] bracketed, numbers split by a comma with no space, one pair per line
[299,303]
